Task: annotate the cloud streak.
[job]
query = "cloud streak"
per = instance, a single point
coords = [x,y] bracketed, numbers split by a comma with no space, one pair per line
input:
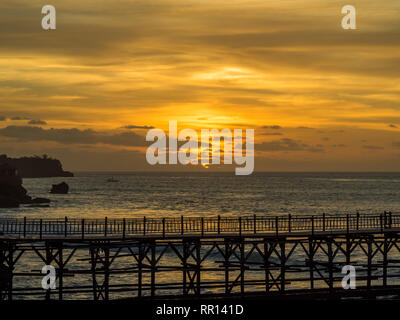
[37,122]
[287,144]
[137,127]
[73,136]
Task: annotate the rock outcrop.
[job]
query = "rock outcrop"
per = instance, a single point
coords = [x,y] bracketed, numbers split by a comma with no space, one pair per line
[61,188]
[12,193]
[36,167]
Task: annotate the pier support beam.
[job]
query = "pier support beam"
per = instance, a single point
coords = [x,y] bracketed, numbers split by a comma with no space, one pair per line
[100,264]
[282,245]
[176,266]
[191,261]
[311,252]
[53,255]
[234,260]
[330,263]
[7,249]
[370,240]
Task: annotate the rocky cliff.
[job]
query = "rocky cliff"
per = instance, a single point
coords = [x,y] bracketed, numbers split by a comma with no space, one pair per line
[12,193]
[36,167]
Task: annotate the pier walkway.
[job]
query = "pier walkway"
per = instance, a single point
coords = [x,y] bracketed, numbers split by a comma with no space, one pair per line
[200,226]
[186,257]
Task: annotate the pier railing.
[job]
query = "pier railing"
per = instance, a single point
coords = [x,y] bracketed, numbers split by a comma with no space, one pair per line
[26,227]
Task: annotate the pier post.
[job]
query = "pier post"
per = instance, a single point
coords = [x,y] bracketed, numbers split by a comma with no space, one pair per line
[358,221]
[242,266]
[385,220]
[7,262]
[163,227]
[198,267]
[153,266]
[41,227]
[369,261]
[385,260]
[290,223]
[266,255]
[348,249]
[312,225]
[141,257]
[83,229]
[60,263]
[105,226]
[48,260]
[282,244]
[65,227]
[182,225]
[93,269]
[185,257]
[227,254]
[123,228]
[311,251]
[219,224]
[330,263]
[24,227]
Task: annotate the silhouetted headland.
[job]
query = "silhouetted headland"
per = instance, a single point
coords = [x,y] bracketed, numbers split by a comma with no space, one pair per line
[12,193]
[36,167]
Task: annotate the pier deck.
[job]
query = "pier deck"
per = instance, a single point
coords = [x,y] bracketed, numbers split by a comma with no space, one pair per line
[203,226]
[264,257]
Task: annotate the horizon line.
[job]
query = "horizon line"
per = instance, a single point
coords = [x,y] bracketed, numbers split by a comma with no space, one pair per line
[283,171]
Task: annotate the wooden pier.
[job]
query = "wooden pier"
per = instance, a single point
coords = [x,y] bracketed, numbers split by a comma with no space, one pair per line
[186,257]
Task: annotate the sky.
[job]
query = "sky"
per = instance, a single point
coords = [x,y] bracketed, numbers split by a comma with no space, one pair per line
[320,98]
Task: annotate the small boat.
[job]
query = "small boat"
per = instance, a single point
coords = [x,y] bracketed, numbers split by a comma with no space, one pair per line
[112,180]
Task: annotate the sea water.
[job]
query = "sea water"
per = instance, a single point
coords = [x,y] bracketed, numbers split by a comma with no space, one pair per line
[198,194]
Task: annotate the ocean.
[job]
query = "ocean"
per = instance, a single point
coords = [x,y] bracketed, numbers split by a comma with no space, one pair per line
[199,194]
[195,194]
